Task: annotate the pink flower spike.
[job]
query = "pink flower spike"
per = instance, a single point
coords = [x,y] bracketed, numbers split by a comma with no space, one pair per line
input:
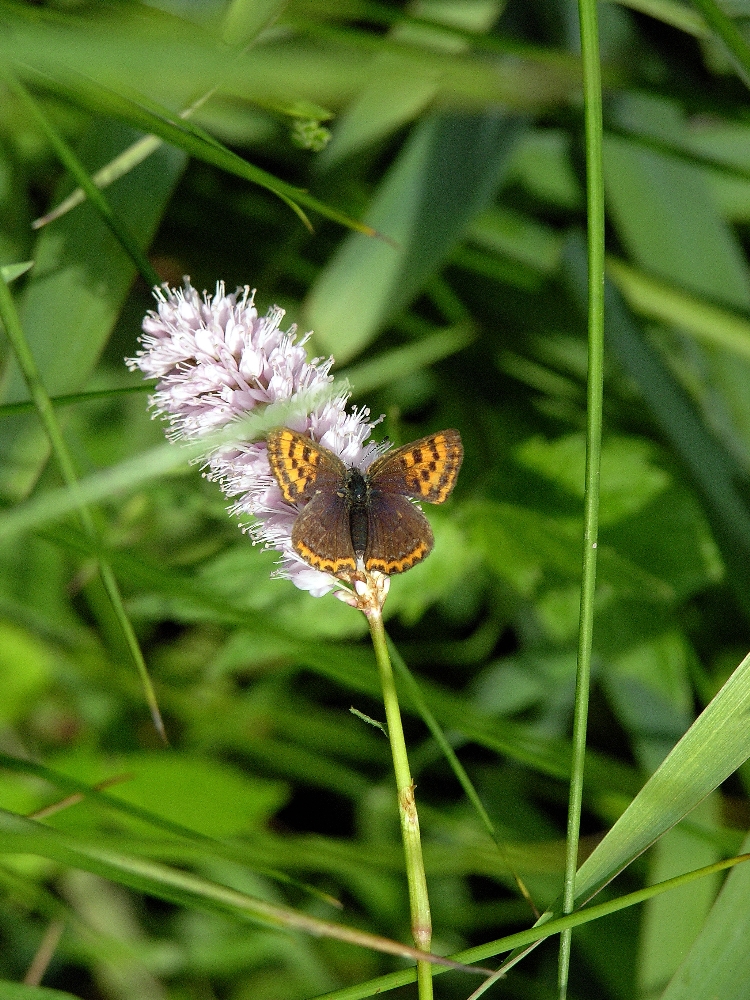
[217,360]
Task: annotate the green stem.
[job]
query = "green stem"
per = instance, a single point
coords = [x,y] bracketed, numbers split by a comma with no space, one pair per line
[592,92]
[419,904]
[456,766]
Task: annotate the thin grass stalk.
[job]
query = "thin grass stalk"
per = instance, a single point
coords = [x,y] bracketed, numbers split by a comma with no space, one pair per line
[419,903]
[73,398]
[43,404]
[592,91]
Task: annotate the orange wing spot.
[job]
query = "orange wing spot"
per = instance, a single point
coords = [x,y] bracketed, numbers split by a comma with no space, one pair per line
[391,566]
[324,563]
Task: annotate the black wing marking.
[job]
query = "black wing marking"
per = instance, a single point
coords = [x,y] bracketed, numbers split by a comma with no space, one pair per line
[426,469]
[301,466]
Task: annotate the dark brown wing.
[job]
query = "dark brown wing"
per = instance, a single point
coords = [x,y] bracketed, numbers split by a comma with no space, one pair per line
[322,536]
[301,466]
[398,534]
[425,469]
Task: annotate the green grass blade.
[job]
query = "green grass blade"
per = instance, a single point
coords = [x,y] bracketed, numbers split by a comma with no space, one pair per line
[661,301]
[159,461]
[714,747]
[66,465]
[719,963]
[73,398]
[536,934]
[72,299]
[121,232]
[138,111]
[20,835]
[402,361]
[678,15]
[730,35]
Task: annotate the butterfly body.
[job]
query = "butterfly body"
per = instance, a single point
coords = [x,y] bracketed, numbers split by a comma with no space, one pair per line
[357,496]
[351,520]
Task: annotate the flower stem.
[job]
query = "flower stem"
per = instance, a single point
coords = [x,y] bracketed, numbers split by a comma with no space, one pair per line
[419,904]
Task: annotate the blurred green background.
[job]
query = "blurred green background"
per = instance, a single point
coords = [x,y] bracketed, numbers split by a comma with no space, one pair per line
[455,129]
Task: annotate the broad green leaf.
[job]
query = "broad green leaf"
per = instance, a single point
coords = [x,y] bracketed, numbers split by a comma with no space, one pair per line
[718,964]
[714,747]
[422,208]
[13,271]
[220,800]
[542,164]
[678,15]
[383,369]
[649,688]
[528,547]
[726,29]
[722,142]
[391,100]
[630,475]
[517,236]
[731,193]
[25,669]
[19,991]
[718,150]
[450,562]
[664,940]
[660,301]
[244,19]
[695,250]
[670,539]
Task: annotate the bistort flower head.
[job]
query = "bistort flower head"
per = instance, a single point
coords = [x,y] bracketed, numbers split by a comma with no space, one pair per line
[217,360]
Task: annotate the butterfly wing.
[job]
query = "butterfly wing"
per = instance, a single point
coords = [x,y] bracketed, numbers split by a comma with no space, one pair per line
[425,469]
[321,534]
[398,534]
[302,467]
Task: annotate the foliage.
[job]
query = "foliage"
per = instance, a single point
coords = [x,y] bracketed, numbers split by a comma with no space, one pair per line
[408,181]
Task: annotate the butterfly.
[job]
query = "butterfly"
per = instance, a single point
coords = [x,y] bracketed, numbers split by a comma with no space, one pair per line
[352,521]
